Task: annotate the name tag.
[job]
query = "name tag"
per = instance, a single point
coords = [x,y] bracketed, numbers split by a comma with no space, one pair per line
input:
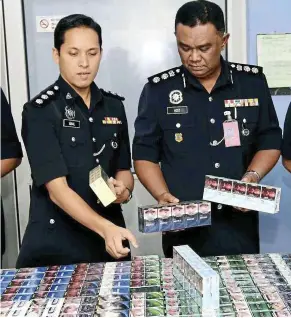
[70,123]
[177,110]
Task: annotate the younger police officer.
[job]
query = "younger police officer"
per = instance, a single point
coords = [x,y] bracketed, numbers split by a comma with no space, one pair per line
[180,125]
[68,129]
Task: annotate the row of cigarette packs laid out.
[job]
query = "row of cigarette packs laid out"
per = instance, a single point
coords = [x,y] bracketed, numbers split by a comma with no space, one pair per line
[197,277]
[246,195]
[158,218]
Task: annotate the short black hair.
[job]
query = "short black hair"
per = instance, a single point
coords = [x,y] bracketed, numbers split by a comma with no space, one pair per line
[200,12]
[74,21]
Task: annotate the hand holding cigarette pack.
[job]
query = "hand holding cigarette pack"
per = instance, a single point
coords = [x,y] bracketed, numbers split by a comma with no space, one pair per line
[99,183]
[183,215]
[250,196]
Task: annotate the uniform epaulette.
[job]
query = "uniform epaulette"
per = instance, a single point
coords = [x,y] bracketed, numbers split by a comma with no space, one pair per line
[251,69]
[111,94]
[163,76]
[45,96]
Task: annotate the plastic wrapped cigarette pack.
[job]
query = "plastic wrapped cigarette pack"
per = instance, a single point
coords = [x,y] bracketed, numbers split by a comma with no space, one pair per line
[162,218]
[197,277]
[242,194]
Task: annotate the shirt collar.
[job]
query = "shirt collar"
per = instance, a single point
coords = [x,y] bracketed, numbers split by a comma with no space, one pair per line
[223,79]
[72,96]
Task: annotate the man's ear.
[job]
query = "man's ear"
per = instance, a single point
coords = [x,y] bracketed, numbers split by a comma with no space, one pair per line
[56,55]
[225,39]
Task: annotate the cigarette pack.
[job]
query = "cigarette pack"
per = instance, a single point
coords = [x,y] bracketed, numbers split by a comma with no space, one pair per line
[198,278]
[99,183]
[162,218]
[251,196]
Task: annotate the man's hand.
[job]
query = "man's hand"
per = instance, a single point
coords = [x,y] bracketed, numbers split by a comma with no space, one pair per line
[120,190]
[250,178]
[113,236]
[167,197]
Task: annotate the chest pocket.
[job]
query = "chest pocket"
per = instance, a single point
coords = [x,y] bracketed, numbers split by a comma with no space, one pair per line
[73,143]
[179,134]
[109,141]
[248,122]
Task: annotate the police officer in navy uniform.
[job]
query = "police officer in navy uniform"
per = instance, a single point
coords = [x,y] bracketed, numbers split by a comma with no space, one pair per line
[68,129]
[286,148]
[179,136]
[11,153]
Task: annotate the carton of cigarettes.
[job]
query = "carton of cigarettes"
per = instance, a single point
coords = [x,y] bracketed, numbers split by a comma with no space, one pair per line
[99,183]
[242,194]
[197,277]
[161,218]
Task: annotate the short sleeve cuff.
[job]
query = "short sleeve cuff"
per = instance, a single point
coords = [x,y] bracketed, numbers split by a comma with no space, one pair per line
[11,150]
[145,153]
[286,151]
[49,171]
[270,141]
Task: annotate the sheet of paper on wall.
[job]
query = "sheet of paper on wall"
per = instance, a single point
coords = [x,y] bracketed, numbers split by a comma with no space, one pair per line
[274,51]
[47,23]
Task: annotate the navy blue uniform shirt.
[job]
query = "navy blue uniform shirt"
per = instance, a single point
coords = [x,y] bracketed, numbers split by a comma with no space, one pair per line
[10,148]
[10,145]
[65,138]
[286,148]
[180,126]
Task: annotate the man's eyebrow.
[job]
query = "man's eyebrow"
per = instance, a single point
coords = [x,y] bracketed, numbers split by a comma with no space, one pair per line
[90,49]
[199,46]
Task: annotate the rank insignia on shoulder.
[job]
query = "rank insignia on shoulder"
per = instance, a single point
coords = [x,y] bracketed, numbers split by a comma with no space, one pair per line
[111,94]
[111,121]
[45,96]
[252,69]
[160,77]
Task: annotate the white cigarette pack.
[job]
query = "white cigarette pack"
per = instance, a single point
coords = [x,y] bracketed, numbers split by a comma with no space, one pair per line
[202,280]
[250,196]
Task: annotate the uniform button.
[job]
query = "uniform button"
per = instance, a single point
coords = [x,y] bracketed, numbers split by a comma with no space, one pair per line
[219,207]
[90,119]
[73,139]
[94,139]
[212,120]
[217,165]
[244,120]
[52,221]
[97,160]
[210,99]
[214,142]
[178,125]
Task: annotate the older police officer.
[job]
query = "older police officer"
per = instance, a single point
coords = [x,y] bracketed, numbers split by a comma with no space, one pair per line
[68,129]
[179,131]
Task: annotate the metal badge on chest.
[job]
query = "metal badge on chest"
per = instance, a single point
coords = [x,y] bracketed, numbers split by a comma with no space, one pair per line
[175,98]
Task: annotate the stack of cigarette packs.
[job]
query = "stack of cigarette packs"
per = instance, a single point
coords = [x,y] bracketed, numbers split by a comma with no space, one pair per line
[249,285]
[250,196]
[162,218]
[197,277]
